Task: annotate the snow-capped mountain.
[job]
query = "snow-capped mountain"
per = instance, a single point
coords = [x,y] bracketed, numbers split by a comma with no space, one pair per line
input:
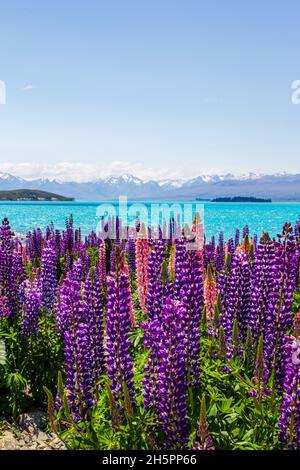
[280,186]
[7,179]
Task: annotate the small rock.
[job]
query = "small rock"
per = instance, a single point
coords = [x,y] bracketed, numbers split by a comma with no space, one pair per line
[7,434]
[42,436]
[8,441]
[32,421]
[56,441]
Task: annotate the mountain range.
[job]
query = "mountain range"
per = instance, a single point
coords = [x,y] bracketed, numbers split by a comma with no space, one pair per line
[278,187]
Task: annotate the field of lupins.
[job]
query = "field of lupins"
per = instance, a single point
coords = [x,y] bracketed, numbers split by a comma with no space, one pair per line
[146,344]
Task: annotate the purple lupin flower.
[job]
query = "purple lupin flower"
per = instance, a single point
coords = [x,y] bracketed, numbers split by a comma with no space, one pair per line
[31,309]
[230,246]
[238,298]
[70,310]
[155,296]
[220,253]
[93,300]
[150,382]
[156,291]
[58,243]
[77,240]
[48,233]
[180,247]
[6,263]
[209,254]
[189,290]
[247,283]
[48,277]
[29,244]
[68,238]
[118,325]
[155,301]
[92,240]
[297,229]
[84,256]
[18,270]
[78,369]
[130,251]
[68,264]
[297,262]
[71,317]
[171,377]
[280,301]
[289,422]
[21,295]
[254,242]
[11,271]
[84,366]
[5,311]
[78,270]
[297,240]
[260,315]
[171,232]
[223,285]
[16,276]
[245,231]
[34,245]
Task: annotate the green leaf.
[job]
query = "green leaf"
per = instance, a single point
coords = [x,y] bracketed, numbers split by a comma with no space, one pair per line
[226,405]
[2,353]
[213,411]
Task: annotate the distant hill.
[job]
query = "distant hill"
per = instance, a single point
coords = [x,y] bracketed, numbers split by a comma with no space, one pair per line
[278,187]
[31,195]
[240,199]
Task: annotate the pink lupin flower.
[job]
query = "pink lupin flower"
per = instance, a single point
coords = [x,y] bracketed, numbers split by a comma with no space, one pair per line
[19,247]
[24,255]
[245,246]
[142,252]
[198,230]
[5,311]
[126,271]
[210,293]
[172,260]
[102,262]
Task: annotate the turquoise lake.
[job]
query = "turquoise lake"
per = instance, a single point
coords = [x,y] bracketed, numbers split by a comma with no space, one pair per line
[24,216]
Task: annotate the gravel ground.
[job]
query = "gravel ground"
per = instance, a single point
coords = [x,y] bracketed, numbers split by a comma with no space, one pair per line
[28,434]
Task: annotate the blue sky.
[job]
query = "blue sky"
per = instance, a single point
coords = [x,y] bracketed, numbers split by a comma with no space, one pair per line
[155,88]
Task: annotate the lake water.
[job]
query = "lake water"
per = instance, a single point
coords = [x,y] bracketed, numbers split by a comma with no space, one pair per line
[24,216]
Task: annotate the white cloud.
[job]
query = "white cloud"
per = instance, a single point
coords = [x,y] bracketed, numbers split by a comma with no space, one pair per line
[28,87]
